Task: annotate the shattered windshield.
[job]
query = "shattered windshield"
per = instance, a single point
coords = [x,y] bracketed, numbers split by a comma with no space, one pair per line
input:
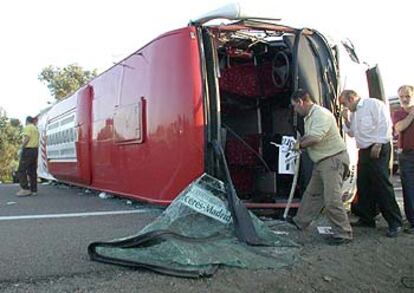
[194,236]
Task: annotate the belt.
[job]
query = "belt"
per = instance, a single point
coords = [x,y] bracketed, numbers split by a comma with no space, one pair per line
[321,160]
[370,146]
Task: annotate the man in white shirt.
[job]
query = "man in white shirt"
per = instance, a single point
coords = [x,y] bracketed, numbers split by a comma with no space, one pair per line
[370,123]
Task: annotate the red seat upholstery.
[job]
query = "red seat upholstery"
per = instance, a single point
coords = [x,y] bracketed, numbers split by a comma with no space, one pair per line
[242,179]
[243,80]
[239,154]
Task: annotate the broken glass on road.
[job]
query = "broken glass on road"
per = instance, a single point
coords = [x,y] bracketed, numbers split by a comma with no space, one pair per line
[194,236]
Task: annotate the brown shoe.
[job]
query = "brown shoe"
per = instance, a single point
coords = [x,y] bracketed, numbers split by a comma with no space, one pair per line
[23,192]
[337,241]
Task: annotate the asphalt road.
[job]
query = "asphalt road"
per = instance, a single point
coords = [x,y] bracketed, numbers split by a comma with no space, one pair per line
[47,235]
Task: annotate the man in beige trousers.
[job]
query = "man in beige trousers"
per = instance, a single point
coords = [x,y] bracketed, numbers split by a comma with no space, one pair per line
[327,150]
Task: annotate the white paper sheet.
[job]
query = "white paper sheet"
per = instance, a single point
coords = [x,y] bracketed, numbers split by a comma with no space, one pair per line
[287,155]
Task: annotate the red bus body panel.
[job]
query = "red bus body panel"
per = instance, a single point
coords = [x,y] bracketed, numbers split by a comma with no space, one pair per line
[140,124]
[84,109]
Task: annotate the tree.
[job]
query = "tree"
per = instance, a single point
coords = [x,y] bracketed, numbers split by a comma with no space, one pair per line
[10,140]
[63,81]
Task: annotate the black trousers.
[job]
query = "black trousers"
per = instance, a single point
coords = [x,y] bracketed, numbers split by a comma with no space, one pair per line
[375,189]
[406,161]
[28,168]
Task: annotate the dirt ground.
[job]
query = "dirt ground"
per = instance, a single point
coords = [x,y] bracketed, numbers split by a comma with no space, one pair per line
[371,263]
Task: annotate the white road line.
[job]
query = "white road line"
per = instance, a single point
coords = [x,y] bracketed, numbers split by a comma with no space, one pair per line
[73,215]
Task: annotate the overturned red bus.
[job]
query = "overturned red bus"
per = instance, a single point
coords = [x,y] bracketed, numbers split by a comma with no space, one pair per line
[147,127]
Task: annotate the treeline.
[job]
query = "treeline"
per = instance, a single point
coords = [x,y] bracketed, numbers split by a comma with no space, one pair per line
[10,141]
[60,82]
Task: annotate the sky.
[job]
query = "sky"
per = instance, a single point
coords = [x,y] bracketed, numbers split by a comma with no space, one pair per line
[97,34]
